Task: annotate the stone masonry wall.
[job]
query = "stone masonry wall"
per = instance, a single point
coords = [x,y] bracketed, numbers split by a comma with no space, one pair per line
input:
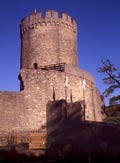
[12,112]
[27,110]
[43,83]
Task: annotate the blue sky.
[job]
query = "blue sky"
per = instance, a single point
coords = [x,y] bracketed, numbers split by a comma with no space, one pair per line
[98,34]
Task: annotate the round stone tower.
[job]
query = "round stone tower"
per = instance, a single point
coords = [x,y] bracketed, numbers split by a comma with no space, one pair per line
[49,68]
[49,39]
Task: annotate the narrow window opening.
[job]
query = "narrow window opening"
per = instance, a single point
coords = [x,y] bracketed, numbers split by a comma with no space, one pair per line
[35,65]
[53,93]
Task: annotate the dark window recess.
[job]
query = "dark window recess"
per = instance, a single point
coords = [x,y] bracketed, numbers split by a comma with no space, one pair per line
[35,65]
[22,85]
[21,82]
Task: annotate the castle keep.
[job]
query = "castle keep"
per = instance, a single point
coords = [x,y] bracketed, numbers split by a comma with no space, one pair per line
[49,72]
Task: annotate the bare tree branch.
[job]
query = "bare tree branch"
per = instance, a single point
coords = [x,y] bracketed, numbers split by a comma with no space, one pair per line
[112,78]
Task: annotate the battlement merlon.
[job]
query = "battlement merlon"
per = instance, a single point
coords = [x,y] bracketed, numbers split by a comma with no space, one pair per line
[50,16]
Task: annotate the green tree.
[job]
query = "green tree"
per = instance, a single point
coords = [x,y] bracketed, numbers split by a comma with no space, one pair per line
[115,100]
[112,113]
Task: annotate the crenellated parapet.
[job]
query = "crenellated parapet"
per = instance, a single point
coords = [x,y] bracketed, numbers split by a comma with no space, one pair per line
[51,18]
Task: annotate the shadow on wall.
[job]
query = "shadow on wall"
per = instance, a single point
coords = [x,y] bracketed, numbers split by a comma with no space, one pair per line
[60,113]
[69,135]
